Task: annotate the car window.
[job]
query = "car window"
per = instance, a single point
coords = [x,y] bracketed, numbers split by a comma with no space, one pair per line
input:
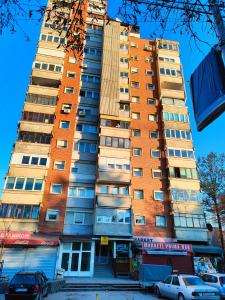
[205,277]
[175,280]
[213,279]
[168,279]
[193,281]
[23,278]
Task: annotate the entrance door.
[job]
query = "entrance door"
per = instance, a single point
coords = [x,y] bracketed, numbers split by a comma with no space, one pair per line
[102,254]
[76,259]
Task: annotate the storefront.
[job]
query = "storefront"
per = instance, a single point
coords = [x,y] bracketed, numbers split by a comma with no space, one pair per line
[27,251]
[165,251]
[76,257]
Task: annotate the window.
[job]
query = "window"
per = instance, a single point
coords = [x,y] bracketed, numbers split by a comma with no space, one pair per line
[41,99]
[124,90]
[124,74]
[149,59]
[158,195]
[59,165]
[48,67]
[34,137]
[153,118]
[124,60]
[86,128]
[52,215]
[81,192]
[156,173]
[133,45]
[139,220]
[104,189]
[85,147]
[62,143]
[115,142]
[69,90]
[137,172]
[167,59]
[136,132]
[137,151]
[185,195]
[135,99]
[150,87]
[138,194]
[134,84]
[21,183]
[154,135]
[170,72]
[79,218]
[125,106]
[56,188]
[72,60]
[189,221]
[151,101]
[134,70]
[163,45]
[155,153]
[149,72]
[33,160]
[175,117]
[160,221]
[185,173]
[120,217]
[38,117]
[90,78]
[19,211]
[135,115]
[51,38]
[184,153]
[177,134]
[64,124]
[71,74]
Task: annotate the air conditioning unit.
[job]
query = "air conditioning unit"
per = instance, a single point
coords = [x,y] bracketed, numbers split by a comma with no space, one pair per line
[84,66]
[82,113]
[66,110]
[148,47]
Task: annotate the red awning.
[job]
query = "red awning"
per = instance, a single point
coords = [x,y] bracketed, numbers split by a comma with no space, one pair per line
[27,238]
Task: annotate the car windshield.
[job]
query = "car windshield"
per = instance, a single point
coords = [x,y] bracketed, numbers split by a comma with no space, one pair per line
[23,278]
[193,281]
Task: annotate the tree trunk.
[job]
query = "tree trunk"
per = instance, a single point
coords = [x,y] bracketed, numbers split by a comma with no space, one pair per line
[220,232]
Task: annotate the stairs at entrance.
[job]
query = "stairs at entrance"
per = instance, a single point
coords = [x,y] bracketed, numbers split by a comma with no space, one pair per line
[69,287]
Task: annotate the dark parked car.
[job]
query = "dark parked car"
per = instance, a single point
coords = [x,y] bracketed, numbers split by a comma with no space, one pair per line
[27,285]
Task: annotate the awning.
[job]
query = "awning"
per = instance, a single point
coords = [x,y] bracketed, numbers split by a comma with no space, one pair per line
[27,239]
[207,250]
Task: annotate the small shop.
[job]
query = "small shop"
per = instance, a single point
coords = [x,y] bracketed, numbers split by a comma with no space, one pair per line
[76,257]
[207,259]
[27,251]
[160,252]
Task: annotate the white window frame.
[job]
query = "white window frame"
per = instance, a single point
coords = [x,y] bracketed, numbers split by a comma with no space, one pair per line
[156,171]
[59,162]
[141,218]
[157,199]
[155,150]
[71,73]
[66,122]
[138,150]
[52,211]
[65,142]
[69,90]
[150,87]
[164,217]
[58,185]
[137,114]
[154,116]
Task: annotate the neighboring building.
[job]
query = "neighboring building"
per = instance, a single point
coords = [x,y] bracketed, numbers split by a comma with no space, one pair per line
[104,156]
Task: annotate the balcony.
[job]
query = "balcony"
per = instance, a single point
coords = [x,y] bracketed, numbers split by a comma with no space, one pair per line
[41,99]
[33,107]
[114,201]
[113,176]
[18,225]
[115,132]
[185,184]
[191,234]
[45,78]
[42,90]
[35,127]
[23,147]
[172,89]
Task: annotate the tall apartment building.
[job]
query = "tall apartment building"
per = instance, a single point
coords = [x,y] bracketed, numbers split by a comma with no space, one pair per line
[104,156]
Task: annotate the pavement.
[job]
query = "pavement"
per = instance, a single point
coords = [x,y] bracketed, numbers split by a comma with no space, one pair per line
[102,295]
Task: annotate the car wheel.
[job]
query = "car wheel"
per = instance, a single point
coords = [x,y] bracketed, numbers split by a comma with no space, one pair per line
[157,291]
[181,297]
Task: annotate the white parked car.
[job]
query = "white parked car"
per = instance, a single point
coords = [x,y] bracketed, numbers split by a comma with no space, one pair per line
[216,280]
[186,287]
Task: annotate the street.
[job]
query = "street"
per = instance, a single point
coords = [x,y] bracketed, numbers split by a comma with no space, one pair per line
[103,295]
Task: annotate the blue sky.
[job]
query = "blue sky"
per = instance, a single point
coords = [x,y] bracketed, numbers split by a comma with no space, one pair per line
[17,56]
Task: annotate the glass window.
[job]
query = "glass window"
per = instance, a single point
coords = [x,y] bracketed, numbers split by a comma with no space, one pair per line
[155,153]
[138,194]
[154,134]
[64,124]
[160,221]
[140,220]
[27,211]
[34,160]
[38,184]
[59,165]
[135,99]
[137,151]
[56,188]
[159,195]
[19,183]
[43,161]
[79,218]
[19,211]
[62,143]
[29,184]
[151,101]
[35,212]
[104,189]
[157,173]
[52,215]
[25,160]
[137,172]
[115,190]
[10,181]
[135,115]
[136,132]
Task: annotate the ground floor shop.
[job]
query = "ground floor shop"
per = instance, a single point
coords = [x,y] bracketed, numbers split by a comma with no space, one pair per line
[85,257]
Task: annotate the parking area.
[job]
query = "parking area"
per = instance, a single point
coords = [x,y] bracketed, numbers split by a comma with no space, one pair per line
[103,295]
